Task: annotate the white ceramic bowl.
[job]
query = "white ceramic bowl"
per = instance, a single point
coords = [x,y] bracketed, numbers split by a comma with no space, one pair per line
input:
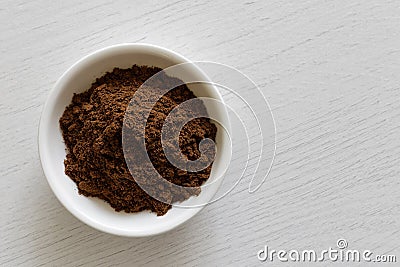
[78,78]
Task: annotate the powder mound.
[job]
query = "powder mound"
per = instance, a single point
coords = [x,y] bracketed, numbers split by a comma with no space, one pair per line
[92,130]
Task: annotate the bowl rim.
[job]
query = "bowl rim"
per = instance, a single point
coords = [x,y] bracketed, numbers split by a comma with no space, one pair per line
[44,121]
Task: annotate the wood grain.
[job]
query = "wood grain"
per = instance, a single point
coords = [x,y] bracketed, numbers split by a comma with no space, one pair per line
[330,71]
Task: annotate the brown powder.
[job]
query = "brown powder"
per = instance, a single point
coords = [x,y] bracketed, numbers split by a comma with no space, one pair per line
[92,130]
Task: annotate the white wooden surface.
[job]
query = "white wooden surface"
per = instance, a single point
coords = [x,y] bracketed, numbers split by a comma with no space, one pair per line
[331,72]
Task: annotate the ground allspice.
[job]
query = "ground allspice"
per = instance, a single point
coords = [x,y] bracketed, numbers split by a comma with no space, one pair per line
[92,130]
